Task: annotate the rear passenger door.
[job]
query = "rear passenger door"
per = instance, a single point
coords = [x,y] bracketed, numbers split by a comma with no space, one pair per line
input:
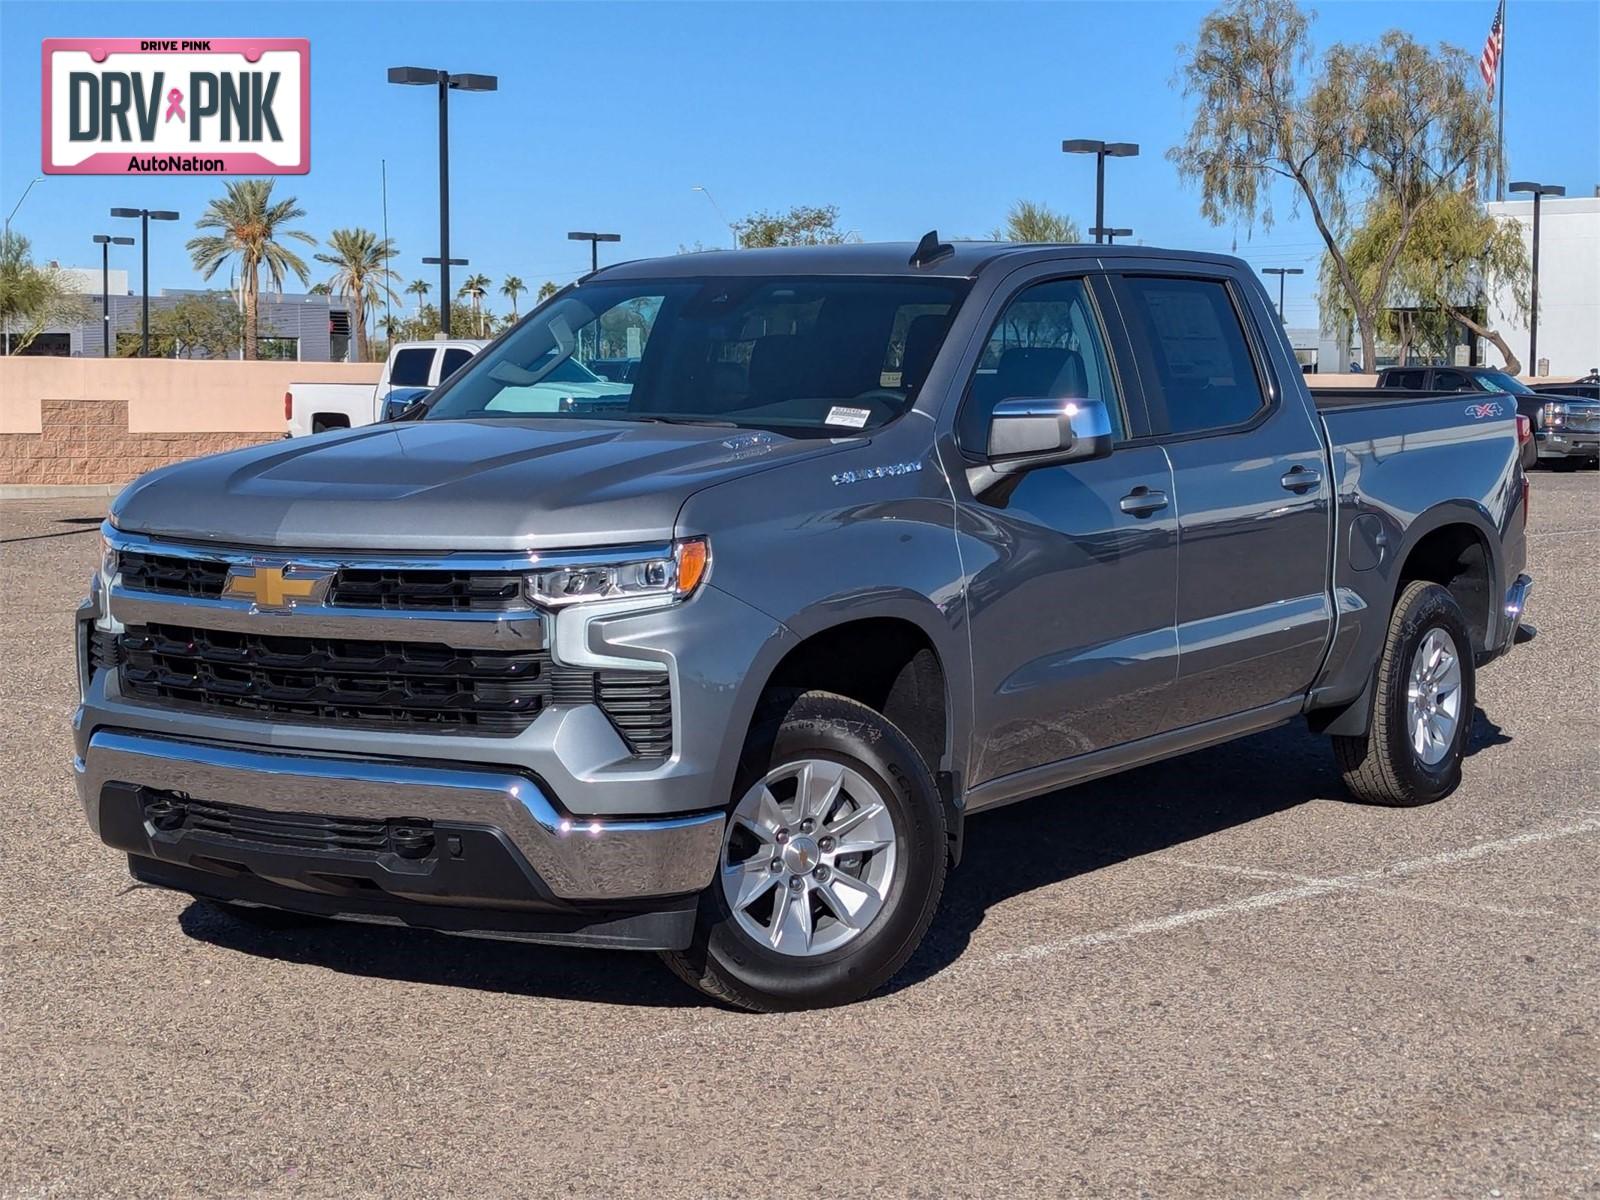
[1253,608]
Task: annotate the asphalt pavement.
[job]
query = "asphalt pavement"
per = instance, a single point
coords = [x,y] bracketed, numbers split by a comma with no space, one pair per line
[1214,976]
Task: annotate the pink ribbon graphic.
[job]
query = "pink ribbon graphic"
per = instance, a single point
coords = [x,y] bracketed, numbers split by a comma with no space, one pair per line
[175,105]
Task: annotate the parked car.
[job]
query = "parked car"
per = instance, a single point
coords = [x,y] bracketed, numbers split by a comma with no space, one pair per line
[319,407]
[724,670]
[1566,431]
[1587,388]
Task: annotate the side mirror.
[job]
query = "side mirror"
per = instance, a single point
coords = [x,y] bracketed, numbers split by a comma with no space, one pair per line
[1024,434]
[398,403]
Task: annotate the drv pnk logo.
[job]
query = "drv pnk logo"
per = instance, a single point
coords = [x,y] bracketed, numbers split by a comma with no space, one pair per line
[1479,411]
[208,106]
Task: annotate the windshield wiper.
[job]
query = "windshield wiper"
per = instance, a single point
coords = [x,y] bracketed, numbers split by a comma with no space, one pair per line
[660,419]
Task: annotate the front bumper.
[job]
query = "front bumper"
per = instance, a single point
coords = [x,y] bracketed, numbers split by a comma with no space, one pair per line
[438,836]
[1565,443]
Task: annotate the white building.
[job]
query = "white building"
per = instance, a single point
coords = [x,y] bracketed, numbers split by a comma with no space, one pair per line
[1569,287]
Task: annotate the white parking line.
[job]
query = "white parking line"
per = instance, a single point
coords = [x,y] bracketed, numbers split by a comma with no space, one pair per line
[1303,891]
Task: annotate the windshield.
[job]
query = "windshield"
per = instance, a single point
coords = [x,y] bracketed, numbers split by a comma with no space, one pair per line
[1499,381]
[819,356]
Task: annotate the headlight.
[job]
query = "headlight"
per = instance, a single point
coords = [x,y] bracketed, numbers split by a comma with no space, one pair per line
[675,575]
[108,558]
[1553,414]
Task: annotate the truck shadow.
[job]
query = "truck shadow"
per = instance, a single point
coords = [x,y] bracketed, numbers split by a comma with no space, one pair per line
[1073,832]
[1044,841]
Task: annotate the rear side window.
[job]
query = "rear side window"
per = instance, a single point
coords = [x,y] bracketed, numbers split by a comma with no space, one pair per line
[1413,380]
[453,358]
[1201,374]
[410,367]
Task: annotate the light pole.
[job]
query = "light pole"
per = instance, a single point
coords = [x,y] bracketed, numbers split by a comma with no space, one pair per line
[1111,235]
[1537,190]
[105,241]
[594,240]
[446,83]
[5,240]
[1101,152]
[1280,272]
[717,208]
[145,215]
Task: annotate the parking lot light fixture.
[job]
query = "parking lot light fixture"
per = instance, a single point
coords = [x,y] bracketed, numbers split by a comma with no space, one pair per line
[1280,272]
[1537,191]
[446,83]
[105,241]
[594,240]
[1101,151]
[145,215]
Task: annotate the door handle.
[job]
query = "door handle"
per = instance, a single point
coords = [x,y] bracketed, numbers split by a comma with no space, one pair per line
[1141,502]
[1300,479]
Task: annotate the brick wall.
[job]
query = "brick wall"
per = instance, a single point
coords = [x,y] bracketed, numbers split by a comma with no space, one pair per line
[87,442]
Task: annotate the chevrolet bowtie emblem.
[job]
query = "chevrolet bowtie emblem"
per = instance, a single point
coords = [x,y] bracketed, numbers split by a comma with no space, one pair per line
[277,586]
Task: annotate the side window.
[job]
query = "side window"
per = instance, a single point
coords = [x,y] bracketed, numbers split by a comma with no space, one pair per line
[1047,344]
[1201,372]
[1452,381]
[410,367]
[454,356]
[1413,380]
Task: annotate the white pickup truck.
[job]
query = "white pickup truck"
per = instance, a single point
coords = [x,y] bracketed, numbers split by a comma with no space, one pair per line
[317,407]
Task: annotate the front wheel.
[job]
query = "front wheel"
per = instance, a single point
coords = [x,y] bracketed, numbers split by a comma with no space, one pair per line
[832,864]
[1422,706]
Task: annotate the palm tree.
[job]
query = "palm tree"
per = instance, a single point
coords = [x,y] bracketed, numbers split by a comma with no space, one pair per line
[512,288]
[475,288]
[420,288]
[251,224]
[360,274]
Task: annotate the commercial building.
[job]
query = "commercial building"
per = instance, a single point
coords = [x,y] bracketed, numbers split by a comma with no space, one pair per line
[1569,287]
[292,326]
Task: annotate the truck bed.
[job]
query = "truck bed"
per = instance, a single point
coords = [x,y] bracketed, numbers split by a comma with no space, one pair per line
[1360,397]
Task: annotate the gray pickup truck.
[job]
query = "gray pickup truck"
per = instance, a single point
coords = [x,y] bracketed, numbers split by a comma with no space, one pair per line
[882,536]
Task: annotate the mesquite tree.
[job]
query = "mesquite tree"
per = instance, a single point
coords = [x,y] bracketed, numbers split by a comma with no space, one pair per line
[1393,121]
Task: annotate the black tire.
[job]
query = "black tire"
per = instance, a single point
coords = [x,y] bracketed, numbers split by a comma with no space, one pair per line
[1379,766]
[263,918]
[726,963]
[1565,464]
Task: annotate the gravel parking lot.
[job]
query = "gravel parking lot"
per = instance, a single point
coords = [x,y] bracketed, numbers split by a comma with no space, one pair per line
[1212,976]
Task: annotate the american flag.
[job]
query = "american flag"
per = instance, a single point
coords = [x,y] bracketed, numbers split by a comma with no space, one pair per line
[1489,62]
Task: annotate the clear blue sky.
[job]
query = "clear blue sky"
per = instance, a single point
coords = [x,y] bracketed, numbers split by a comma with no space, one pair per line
[907,116]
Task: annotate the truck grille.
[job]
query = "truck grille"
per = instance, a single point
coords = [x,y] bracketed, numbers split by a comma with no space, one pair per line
[378,684]
[441,590]
[394,685]
[1583,420]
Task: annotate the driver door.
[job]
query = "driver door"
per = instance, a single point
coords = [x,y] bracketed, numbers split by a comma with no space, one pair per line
[1073,572]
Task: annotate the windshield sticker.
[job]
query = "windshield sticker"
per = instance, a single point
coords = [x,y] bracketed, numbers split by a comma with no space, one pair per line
[1479,411]
[883,472]
[852,418]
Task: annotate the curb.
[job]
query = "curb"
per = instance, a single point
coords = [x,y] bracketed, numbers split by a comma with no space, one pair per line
[58,491]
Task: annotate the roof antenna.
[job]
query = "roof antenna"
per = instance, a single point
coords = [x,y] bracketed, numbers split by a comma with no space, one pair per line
[930,250]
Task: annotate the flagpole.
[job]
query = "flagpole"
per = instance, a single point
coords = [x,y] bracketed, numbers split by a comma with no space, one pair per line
[1500,134]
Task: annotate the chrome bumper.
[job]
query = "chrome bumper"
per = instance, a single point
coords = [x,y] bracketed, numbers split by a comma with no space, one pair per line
[577,860]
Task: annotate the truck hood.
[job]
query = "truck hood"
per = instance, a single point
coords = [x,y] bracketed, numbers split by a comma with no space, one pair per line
[454,485]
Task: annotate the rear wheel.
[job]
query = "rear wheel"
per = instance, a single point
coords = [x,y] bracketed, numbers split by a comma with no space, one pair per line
[832,864]
[1422,706]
